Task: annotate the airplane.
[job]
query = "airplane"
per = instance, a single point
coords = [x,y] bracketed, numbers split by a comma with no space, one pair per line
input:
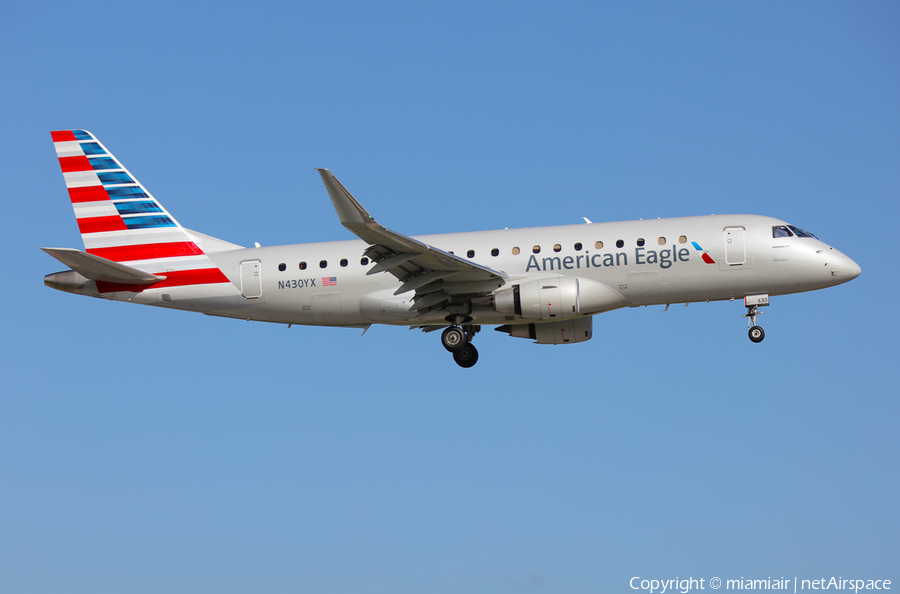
[544,284]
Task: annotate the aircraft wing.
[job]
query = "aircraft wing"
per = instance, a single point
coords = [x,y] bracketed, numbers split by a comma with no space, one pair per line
[437,276]
[100,269]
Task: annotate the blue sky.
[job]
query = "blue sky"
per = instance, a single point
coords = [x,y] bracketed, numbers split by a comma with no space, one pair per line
[150,451]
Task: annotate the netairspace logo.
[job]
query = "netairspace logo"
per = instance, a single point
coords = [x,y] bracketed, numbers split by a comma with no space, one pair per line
[686,585]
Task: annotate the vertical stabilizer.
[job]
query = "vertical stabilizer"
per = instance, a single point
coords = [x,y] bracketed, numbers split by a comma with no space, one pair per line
[121,221]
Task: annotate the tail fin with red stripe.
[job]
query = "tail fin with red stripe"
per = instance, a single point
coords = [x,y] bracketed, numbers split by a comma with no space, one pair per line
[122,222]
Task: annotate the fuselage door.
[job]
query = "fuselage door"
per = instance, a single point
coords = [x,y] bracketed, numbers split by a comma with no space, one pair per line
[735,250]
[251,279]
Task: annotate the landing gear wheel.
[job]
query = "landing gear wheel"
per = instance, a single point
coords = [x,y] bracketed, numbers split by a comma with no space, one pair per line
[466,356]
[757,334]
[453,339]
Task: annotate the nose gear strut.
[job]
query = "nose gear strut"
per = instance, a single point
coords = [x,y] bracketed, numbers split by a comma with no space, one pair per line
[755,332]
[753,303]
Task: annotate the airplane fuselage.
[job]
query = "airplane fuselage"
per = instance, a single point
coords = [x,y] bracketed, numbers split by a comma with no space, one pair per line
[646,262]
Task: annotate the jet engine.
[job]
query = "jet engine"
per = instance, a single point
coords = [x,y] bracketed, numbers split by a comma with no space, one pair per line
[556,298]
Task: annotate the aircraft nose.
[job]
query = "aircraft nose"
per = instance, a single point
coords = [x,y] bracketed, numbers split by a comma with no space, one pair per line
[851,269]
[843,268]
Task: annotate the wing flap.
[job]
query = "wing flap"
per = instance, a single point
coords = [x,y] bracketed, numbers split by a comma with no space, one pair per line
[391,262]
[417,282]
[100,269]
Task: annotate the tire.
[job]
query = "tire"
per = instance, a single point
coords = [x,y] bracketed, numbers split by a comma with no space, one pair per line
[466,356]
[756,334]
[453,339]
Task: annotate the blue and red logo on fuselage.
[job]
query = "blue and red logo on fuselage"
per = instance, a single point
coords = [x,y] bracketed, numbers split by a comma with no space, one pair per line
[706,257]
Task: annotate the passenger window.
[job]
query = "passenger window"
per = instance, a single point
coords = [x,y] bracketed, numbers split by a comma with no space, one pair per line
[682,239]
[470,253]
[640,241]
[495,252]
[344,262]
[577,246]
[515,251]
[620,243]
[323,263]
[282,267]
[661,241]
[557,248]
[598,245]
[364,261]
[302,265]
[536,249]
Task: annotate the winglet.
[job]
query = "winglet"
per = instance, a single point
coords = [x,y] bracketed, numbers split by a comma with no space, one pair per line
[391,250]
[349,211]
[352,214]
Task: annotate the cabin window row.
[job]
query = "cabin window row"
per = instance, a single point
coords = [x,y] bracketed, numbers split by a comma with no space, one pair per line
[324,264]
[598,245]
[578,246]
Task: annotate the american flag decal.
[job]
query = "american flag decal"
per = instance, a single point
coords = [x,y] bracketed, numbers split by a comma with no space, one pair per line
[329,281]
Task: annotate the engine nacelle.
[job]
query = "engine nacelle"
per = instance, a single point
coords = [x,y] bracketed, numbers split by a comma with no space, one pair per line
[562,332]
[556,298]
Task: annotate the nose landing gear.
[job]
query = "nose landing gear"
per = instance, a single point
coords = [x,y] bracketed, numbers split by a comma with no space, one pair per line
[753,303]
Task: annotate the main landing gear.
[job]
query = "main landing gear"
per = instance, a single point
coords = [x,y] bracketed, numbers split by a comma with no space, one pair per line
[458,340]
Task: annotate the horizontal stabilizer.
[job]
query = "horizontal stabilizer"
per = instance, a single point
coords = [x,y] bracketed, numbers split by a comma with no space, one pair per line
[100,269]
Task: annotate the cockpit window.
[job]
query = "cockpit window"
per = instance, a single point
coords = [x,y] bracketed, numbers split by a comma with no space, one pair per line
[801,233]
[790,231]
[781,231]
